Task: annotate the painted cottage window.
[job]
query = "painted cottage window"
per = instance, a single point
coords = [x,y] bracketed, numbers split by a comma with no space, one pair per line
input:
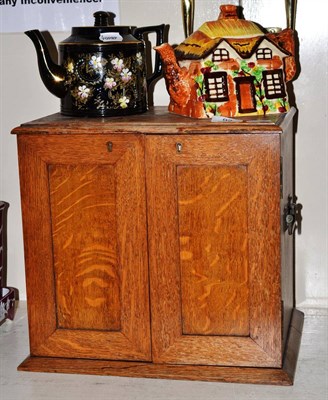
[274,84]
[216,86]
[264,54]
[220,55]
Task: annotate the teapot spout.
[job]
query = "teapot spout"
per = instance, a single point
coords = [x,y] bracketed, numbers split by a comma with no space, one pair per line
[52,75]
[167,55]
[180,84]
[176,78]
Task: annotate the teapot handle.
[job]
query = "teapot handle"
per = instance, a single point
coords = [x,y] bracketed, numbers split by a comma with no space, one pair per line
[159,30]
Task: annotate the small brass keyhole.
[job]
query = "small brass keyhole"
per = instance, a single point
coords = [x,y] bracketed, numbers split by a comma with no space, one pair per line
[178,147]
[109,146]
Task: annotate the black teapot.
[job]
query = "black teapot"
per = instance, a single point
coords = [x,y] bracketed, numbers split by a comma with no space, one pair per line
[102,69]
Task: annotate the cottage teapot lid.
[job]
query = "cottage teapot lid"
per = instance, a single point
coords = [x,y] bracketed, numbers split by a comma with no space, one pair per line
[228,25]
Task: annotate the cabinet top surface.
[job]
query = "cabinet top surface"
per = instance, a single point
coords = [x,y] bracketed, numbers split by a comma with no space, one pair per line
[155,121]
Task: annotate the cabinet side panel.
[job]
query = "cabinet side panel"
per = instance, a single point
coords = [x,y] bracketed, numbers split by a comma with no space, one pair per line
[82,199]
[212,208]
[287,241]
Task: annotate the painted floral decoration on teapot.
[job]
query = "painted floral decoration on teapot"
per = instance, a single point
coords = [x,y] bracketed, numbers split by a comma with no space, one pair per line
[89,74]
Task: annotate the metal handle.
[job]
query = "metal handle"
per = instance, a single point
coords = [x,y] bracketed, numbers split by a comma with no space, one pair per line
[188,12]
[292,216]
[291,13]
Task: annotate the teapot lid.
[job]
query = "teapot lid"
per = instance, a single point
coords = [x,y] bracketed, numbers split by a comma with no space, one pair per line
[104,31]
[104,18]
[228,25]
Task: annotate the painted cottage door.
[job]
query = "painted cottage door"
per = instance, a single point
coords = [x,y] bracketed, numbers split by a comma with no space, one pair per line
[246,94]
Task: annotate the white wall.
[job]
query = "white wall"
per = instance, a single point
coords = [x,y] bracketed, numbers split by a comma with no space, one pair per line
[23,97]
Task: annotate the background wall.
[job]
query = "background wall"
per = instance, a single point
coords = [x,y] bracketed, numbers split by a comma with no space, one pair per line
[23,97]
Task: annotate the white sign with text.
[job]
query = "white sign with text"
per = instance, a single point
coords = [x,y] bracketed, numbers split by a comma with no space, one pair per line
[51,15]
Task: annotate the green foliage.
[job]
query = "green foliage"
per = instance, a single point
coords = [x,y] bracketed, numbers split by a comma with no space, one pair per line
[244,66]
[257,72]
[211,108]
[199,79]
[209,63]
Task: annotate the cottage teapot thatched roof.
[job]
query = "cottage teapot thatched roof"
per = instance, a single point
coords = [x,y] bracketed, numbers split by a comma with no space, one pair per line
[228,26]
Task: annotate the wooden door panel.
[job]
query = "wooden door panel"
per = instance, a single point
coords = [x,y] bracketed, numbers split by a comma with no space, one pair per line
[82,200]
[85,246]
[213,222]
[212,210]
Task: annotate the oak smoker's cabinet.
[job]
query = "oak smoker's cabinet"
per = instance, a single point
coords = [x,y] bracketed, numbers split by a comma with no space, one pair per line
[157,246]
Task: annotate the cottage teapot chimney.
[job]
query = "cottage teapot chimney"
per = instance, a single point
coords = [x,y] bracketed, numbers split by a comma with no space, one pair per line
[228,11]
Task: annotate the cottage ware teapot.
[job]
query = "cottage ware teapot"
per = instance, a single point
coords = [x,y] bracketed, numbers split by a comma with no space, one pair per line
[102,69]
[229,67]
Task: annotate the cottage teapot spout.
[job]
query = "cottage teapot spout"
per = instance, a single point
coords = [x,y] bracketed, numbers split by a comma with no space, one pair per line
[52,75]
[180,82]
[176,78]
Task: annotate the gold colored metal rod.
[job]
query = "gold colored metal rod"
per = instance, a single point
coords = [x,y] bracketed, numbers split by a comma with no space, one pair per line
[188,12]
[291,6]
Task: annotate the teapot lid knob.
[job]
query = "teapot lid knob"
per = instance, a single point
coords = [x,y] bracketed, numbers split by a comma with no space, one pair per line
[228,11]
[104,18]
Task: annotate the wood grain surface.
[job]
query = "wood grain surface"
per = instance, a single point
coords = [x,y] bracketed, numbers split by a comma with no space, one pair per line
[268,376]
[212,212]
[84,236]
[85,257]
[259,156]
[154,247]
[157,121]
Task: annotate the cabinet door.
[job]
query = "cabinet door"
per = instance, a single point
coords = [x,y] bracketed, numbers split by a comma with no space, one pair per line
[84,218]
[214,244]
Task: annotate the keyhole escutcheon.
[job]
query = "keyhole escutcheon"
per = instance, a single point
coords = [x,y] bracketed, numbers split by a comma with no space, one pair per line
[109,146]
[178,146]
